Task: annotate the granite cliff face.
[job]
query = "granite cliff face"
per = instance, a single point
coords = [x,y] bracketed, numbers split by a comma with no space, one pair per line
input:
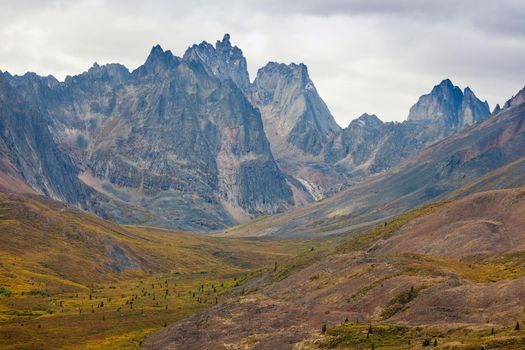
[298,125]
[28,154]
[223,61]
[176,138]
[293,112]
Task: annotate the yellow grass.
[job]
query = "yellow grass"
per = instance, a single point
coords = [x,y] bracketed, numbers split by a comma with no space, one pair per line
[59,287]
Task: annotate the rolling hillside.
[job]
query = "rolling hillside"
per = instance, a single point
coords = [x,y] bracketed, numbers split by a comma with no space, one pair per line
[450,272]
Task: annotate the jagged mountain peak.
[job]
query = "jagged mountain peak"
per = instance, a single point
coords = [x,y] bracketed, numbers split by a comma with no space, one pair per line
[157,61]
[448,105]
[224,43]
[274,76]
[468,91]
[32,79]
[446,86]
[292,70]
[298,125]
[468,94]
[112,71]
[223,61]
[32,76]
[158,53]
[284,66]
[292,109]
[446,83]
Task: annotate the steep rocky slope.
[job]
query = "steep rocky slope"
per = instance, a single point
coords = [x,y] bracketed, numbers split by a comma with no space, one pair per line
[176,138]
[298,125]
[516,100]
[451,266]
[29,158]
[293,112]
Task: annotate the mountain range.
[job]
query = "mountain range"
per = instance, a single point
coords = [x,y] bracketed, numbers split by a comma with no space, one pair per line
[190,143]
[485,156]
[305,235]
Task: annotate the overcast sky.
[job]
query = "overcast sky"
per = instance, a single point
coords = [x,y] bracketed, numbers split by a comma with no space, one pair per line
[375,56]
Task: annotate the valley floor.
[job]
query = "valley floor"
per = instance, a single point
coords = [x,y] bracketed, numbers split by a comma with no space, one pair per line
[449,273]
[40,314]
[71,280]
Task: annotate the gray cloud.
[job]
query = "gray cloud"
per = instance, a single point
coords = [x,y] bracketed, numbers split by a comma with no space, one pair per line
[376,56]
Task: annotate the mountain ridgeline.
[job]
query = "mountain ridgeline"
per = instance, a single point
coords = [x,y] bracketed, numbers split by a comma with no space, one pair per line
[190,143]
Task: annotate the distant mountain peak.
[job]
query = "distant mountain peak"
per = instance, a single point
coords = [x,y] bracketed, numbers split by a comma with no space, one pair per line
[448,85]
[116,73]
[158,54]
[369,117]
[366,119]
[446,82]
[301,67]
[158,60]
[447,104]
[156,51]
[293,111]
[223,61]
[296,72]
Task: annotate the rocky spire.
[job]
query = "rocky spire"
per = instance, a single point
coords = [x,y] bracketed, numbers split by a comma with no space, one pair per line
[293,111]
[223,61]
[225,41]
[158,60]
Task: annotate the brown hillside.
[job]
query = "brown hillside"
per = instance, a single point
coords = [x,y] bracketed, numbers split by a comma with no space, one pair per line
[482,224]
[454,267]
